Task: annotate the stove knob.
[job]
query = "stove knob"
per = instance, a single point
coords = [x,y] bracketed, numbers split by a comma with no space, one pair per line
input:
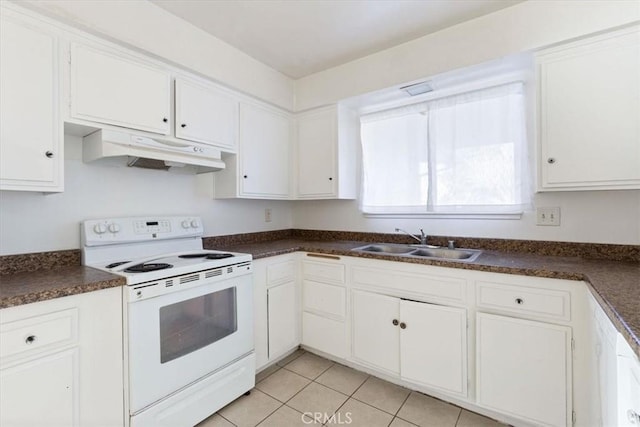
[186,224]
[114,228]
[195,224]
[99,228]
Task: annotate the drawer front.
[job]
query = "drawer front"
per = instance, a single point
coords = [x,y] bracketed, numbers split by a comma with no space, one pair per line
[281,272]
[323,271]
[446,289]
[546,303]
[38,334]
[326,335]
[324,299]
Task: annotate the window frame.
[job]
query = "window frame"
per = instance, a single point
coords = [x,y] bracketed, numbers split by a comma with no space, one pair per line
[525,78]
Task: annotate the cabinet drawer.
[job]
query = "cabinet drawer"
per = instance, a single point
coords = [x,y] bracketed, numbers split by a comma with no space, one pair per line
[281,272]
[37,334]
[326,335]
[324,299]
[440,288]
[527,301]
[323,271]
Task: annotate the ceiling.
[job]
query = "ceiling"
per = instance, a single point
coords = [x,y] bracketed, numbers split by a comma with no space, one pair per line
[301,37]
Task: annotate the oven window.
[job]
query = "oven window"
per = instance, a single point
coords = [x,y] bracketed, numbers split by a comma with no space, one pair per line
[195,323]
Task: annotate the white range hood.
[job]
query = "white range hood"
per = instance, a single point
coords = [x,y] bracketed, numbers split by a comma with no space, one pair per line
[151,153]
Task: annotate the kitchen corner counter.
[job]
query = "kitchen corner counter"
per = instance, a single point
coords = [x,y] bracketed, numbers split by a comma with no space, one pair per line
[614,284]
[34,286]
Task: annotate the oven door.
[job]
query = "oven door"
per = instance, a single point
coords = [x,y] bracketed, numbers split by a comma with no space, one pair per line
[179,337]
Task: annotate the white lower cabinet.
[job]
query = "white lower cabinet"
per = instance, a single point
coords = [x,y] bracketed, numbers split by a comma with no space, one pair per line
[276,308]
[41,390]
[423,343]
[524,368]
[324,326]
[61,362]
[283,315]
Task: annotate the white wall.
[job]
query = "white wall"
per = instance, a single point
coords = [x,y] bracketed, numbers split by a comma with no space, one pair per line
[144,26]
[589,216]
[34,222]
[523,27]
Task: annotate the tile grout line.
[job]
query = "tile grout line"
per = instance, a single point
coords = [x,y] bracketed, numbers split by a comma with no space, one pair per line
[458,419]
[233,424]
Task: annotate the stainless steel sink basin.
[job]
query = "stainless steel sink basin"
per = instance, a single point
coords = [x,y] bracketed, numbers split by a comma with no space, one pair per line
[386,249]
[417,251]
[459,254]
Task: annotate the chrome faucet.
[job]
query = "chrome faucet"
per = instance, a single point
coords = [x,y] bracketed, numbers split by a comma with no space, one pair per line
[422,239]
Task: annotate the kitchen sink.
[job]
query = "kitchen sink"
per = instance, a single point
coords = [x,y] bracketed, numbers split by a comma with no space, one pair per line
[420,251]
[386,249]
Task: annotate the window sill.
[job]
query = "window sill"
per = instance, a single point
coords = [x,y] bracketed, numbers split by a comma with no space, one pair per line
[446,215]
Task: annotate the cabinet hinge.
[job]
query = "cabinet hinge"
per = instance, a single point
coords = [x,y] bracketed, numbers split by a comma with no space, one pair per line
[573,418]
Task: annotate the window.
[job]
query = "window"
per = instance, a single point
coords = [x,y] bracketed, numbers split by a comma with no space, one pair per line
[465,153]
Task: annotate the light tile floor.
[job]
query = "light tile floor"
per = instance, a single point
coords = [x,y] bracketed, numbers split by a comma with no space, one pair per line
[289,393]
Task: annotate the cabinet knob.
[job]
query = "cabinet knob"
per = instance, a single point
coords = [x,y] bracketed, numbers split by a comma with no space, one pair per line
[519,301]
[395,322]
[551,160]
[49,154]
[403,325]
[330,179]
[245,176]
[30,339]
[184,125]
[164,119]
[633,416]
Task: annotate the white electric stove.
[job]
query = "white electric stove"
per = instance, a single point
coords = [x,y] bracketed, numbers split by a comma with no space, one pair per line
[188,316]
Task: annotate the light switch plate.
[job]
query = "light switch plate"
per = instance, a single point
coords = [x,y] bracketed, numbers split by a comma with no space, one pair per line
[548,216]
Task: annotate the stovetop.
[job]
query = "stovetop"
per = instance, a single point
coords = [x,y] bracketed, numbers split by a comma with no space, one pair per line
[169,265]
[151,248]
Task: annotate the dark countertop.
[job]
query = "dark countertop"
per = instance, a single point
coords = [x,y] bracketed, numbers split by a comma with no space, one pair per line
[45,284]
[614,284]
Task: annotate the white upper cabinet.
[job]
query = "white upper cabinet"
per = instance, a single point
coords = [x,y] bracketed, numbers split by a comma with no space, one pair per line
[261,168]
[589,113]
[204,114]
[118,89]
[31,147]
[326,147]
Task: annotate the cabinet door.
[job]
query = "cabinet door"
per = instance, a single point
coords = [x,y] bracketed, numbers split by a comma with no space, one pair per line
[283,319]
[628,383]
[112,88]
[205,115]
[40,392]
[317,140]
[589,109]
[523,368]
[264,151]
[433,346]
[30,135]
[375,338]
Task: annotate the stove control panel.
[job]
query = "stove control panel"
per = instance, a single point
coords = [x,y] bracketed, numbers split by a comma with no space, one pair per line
[140,229]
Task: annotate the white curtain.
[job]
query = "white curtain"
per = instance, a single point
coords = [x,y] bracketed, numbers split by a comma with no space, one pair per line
[461,154]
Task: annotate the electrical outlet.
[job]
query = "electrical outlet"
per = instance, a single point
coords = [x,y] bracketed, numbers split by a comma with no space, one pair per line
[267,215]
[548,216]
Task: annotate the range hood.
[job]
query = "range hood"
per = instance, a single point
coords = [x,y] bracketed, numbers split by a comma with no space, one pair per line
[151,153]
